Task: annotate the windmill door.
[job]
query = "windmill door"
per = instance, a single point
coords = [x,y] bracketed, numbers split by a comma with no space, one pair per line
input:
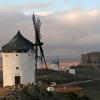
[17,80]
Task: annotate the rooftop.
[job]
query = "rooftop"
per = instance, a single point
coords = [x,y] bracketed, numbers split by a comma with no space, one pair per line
[18,44]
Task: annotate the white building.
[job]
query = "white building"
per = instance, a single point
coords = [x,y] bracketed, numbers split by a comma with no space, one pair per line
[72,71]
[18,61]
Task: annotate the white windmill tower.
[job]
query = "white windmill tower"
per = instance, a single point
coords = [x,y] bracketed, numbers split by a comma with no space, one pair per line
[18,61]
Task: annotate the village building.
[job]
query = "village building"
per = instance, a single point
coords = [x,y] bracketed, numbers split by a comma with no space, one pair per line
[72,70]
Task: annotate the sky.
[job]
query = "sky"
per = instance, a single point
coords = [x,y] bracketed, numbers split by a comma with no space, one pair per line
[69,27]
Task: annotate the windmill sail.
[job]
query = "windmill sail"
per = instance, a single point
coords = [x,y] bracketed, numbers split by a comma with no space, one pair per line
[38,43]
[58,63]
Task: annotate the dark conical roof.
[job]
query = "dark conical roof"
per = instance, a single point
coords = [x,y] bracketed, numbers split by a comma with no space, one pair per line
[18,44]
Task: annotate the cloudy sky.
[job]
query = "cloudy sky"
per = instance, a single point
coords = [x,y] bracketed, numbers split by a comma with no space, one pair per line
[69,27]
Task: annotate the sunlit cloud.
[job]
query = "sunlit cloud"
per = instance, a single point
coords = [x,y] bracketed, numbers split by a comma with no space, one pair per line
[44,13]
[93,13]
[23,7]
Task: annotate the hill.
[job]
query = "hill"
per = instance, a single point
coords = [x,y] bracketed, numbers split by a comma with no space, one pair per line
[88,71]
[92,89]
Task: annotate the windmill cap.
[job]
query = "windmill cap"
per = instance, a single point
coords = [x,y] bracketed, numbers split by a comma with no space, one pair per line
[18,44]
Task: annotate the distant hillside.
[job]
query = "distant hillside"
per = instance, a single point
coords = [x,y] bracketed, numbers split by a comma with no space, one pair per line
[62,58]
[87,71]
[92,89]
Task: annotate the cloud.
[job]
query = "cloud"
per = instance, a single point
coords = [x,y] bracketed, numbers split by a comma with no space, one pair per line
[74,31]
[64,33]
[28,6]
[46,13]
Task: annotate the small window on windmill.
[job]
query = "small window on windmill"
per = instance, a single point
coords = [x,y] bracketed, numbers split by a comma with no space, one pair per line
[29,51]
[16,54]
[17,68]
[6,55]
[29,54]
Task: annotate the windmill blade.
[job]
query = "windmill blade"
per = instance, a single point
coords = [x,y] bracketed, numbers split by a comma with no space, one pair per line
[36,56]
[41,49]
[57,62]
[41,60]
[40,44]
[37,25]
[42,53]
[36,49]
[34,21]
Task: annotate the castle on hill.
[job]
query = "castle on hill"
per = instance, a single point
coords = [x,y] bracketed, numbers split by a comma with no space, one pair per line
[91,59]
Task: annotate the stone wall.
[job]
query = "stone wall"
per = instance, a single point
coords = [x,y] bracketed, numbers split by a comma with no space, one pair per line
[91,59]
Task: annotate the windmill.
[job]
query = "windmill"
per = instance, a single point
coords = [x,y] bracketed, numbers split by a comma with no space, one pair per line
[58,62]
[38,43]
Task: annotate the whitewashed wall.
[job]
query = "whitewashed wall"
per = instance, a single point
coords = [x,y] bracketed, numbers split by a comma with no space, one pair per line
[26,64]
[72,71]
